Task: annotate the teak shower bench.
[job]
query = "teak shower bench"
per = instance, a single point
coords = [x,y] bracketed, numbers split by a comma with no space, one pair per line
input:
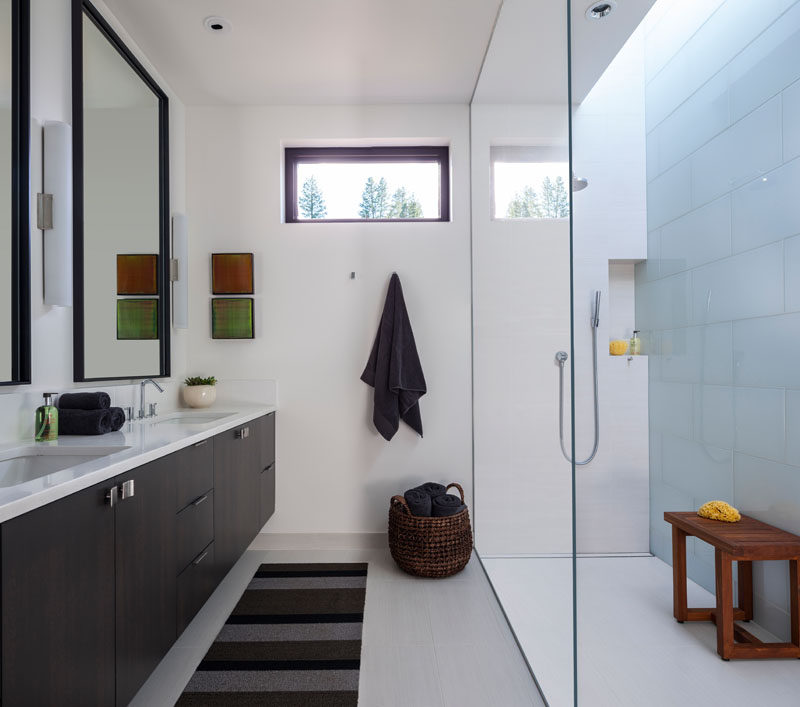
[746,541]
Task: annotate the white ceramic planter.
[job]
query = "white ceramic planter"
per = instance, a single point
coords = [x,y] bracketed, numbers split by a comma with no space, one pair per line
[199,396]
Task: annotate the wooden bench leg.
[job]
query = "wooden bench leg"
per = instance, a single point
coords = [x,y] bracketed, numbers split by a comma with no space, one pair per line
[744,571]
[724,612]
[679,609]
[794,601]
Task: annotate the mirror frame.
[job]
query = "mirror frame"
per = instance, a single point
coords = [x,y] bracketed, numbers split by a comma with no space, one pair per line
[20,195]
[79,9]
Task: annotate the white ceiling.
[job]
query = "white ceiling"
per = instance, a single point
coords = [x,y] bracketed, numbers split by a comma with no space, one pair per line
[314,51]
[527,59]
[376,51]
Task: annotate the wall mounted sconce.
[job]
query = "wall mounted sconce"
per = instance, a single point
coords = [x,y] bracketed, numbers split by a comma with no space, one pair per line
[179,272]
[54,213]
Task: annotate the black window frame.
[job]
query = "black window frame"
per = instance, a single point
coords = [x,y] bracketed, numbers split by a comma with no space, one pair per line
[439,154]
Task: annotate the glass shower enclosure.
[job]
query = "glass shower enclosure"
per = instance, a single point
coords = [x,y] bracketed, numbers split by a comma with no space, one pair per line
[636,294]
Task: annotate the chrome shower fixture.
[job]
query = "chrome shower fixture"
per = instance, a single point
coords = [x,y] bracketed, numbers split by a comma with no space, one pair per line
[596,311]
[579,183]
[561,359]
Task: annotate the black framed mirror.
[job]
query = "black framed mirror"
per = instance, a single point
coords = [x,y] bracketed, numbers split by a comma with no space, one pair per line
[15,301]
[120,129]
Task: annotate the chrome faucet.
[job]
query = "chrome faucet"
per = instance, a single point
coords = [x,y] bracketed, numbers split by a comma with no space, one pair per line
[142,396]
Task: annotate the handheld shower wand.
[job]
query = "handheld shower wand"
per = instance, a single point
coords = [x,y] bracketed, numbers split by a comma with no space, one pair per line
[596,312]
[561,359]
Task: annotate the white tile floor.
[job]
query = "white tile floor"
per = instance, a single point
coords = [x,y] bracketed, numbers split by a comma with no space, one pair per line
[631,651]
[426,643]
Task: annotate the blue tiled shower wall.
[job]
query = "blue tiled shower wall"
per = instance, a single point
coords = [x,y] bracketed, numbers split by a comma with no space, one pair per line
[718,299]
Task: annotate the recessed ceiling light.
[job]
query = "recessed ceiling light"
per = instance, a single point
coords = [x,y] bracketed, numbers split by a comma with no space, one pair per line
[218,25]
[599,10]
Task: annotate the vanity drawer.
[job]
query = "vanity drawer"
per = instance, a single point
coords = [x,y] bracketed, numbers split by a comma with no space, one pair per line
[195,529]
[267,433]
[195,584]
[195,472]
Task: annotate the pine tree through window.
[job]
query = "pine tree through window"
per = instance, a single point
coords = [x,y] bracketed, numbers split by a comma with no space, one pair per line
[530,182]
[332,184]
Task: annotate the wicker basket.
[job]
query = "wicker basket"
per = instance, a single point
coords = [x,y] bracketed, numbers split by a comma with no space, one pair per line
[429,547]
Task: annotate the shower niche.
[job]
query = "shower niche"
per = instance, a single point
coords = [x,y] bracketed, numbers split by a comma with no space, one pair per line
[622,307]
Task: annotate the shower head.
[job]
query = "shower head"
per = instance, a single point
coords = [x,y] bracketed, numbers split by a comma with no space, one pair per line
[579,183]
[595,321]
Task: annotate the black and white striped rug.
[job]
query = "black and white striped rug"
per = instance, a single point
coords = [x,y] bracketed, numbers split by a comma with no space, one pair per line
[293,640]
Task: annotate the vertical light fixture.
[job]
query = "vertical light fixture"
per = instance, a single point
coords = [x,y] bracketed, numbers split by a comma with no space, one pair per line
[54,213]
[179,272]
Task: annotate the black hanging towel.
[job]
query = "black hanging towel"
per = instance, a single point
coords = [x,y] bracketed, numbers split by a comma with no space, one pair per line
[393,368]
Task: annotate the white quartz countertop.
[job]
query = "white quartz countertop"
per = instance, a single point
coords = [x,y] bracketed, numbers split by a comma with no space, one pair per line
[141,442]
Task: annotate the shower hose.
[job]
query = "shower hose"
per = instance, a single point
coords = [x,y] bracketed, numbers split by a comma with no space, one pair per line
[561,358]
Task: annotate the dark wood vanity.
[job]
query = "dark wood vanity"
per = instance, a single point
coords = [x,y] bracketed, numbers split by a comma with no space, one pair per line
[97,586]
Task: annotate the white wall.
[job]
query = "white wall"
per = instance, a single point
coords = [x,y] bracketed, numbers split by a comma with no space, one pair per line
[610,225]
[522,317]
[51,327]
[315,326]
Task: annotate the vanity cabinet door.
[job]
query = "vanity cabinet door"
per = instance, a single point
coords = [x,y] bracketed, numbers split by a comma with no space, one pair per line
[267,482]
[58,603]
[267,493]
[237,493]
[146,583]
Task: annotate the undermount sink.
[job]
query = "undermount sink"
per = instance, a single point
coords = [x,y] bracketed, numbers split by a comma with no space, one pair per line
[28,463]
[191,418]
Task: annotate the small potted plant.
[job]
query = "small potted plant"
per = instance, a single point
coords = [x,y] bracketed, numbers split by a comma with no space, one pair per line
[199,392]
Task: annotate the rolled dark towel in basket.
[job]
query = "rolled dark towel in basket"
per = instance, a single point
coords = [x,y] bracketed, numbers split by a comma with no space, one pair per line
[418,501]
[84,422]
[433,489]
[84,401]
[117,416]
[446,505]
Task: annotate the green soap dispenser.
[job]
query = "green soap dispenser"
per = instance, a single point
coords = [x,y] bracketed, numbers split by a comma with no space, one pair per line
[46,425]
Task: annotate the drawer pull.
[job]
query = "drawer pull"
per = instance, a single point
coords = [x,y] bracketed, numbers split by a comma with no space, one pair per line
[202,556]
[202,443]
[198,501]
[243,433]
[267,468]
[128,490]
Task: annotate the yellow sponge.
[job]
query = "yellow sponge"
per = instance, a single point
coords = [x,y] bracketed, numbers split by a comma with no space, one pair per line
[618,347]
[719,510]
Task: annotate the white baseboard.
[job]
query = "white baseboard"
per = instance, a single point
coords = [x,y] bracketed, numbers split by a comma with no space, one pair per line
[319,541]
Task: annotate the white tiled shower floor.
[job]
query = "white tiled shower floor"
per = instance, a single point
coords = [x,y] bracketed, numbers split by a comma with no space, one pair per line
[631,651]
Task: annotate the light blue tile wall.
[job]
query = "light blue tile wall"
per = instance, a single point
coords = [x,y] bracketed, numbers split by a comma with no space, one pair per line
[718,300]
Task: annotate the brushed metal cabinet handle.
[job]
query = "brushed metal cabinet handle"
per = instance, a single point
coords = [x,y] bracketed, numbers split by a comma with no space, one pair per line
[112,496]
[202,556]
[128,489]
[243,433]
[202,443]
[200,500]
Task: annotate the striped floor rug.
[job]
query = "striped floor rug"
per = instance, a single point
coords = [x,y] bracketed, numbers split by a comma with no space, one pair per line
[293,640]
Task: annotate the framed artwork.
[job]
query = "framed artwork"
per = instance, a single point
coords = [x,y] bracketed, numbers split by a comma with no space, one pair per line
[232,318]
[137,274]
[137,319]
[232,274]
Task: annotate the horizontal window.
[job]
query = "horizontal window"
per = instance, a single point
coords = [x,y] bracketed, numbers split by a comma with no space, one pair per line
[530,182]
[367,184]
